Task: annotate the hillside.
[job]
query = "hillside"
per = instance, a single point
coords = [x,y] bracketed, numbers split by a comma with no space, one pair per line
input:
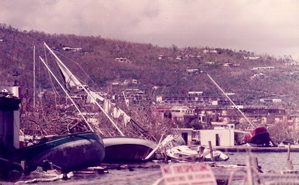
[99,62]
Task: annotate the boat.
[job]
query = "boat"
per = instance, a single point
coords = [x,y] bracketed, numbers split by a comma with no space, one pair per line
[186,152]
[70,152]
[127,149]
[66,153]
[258,137]
[120,147]
[175,148]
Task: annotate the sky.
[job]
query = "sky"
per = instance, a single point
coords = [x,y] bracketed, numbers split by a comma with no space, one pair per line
[260,26]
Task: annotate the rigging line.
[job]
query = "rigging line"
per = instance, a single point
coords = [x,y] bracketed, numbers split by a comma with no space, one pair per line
[231,101]
[52,84]
[79,67]
[67,94]
[89,94]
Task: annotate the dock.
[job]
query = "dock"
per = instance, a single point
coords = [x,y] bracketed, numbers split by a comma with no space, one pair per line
[256,149]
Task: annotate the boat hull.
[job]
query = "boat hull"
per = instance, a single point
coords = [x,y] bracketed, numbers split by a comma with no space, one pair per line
[258,137]
[68,153]
[127,149]
[185,152]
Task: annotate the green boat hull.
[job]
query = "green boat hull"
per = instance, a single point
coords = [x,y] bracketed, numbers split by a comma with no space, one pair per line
[66,153]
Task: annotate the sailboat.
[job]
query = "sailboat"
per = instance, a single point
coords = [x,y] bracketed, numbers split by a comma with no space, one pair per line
[70,152]
[258,136]
[120,147]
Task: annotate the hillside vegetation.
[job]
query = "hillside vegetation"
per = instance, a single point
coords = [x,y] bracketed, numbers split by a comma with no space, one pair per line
[99,62]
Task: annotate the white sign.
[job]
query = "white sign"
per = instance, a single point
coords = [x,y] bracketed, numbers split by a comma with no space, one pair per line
[188,174]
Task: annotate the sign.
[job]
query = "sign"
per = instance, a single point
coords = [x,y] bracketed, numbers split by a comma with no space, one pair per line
[188,174]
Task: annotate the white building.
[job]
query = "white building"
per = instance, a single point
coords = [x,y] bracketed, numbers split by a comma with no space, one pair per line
[221,135]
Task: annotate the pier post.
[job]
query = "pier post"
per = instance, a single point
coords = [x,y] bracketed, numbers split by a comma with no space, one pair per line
[289,161]
[211,151]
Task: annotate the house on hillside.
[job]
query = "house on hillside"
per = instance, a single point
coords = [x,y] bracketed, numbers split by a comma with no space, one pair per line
[122,60]
[209,51]
[262,68]
[195,93]
[258,75]
[178,112]
[174,112]
[66,48]
[251,58]
[192,70]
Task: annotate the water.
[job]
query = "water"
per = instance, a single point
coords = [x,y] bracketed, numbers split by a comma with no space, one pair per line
[146,176]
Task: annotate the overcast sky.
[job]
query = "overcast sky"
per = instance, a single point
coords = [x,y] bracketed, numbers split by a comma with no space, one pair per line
[261,26]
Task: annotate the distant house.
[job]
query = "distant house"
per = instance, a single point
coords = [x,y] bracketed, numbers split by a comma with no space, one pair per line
[230,93]
[123,60]
[179,58]
[155,88]
[269,100]
[251,58]
[134,81]
[276,100]
[130,81]
[115,83]
[258,75]
[71,49]
[160,57]
[262,68]
[294,63]
[159,99]
[177,112]
[227,64]
[195,93]
[210,63]
[192,70]
[236,65]
[207,51]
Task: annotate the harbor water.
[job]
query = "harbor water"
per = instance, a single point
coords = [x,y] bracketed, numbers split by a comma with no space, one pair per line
[147,174]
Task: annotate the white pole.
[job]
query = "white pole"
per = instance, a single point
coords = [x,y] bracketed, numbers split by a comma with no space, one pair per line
[34,77]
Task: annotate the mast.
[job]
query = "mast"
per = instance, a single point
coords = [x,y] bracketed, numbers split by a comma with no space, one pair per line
[77,82]
[34,77]
[231,100]
[81,114]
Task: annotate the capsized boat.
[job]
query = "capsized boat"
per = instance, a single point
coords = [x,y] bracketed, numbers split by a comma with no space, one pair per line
[67,153]
[258,137]
[127,149]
